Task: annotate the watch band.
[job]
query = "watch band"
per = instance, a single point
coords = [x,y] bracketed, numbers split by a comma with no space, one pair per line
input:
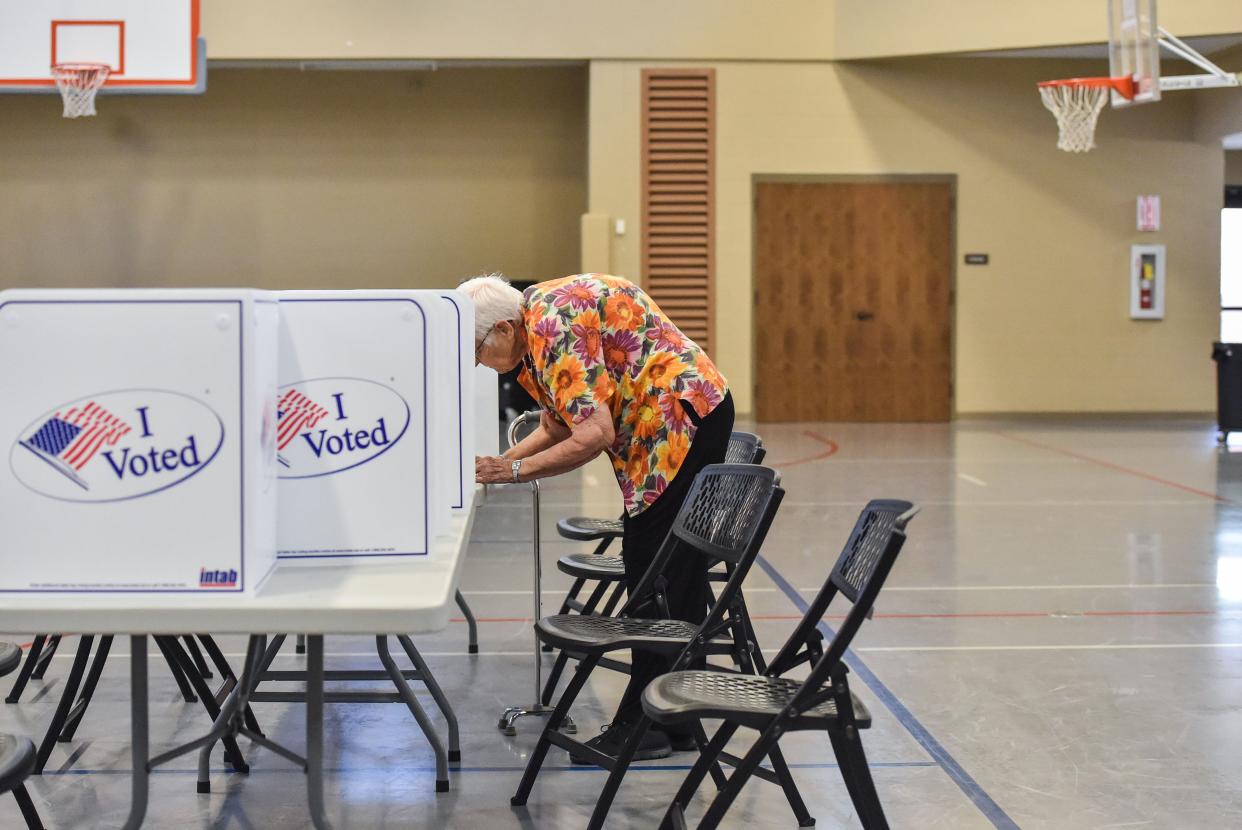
[517,465]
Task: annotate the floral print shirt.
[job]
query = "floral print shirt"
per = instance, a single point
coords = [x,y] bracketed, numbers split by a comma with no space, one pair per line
[597,340]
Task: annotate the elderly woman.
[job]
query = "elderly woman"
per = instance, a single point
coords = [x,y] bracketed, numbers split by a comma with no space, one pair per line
[613,375]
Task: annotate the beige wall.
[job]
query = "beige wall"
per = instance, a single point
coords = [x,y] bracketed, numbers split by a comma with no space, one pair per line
[886,28]
[288,179]
[1043,328]
[518,29]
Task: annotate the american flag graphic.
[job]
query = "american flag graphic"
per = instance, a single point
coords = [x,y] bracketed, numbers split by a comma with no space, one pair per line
[70,439]
[294,413]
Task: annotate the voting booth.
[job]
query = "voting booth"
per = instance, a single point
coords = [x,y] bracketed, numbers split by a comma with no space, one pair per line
[372,435]
[140,434]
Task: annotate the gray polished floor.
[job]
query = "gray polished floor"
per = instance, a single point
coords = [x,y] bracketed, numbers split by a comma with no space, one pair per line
[1060,646]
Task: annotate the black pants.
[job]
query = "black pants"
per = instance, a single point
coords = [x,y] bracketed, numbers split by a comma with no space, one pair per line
[687,574]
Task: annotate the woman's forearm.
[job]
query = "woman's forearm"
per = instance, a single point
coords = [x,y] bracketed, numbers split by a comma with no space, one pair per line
[538,441]
[583,444]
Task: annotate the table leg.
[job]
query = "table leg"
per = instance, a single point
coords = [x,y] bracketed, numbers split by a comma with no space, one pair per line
[441,699]
[314,731]
[411,702]
[139,730]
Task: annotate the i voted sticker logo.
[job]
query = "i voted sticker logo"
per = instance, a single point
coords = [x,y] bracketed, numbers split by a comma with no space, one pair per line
[119,445]
[329,425]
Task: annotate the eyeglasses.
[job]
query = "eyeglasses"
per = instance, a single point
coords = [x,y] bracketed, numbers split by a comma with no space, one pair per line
[479,347]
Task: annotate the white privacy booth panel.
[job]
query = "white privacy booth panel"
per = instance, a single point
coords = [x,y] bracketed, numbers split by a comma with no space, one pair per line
[140,433]
[486,411]
[364,440]
[459,392]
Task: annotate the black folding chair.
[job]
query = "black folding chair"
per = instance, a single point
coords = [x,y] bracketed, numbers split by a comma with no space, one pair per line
[37,661]
[17,754]
[725,517]
[188,667]
[609,571]
[772,704]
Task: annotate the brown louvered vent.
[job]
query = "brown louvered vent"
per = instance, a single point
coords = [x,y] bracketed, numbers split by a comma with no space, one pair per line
[678,193]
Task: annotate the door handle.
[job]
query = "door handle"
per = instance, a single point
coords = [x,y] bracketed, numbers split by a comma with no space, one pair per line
[864,316]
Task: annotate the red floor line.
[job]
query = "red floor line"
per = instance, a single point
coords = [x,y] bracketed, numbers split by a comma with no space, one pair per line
[983,615]
[1115,467]
[828,453]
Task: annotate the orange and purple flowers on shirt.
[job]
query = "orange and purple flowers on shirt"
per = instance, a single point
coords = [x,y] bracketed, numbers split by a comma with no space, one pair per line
[597,340]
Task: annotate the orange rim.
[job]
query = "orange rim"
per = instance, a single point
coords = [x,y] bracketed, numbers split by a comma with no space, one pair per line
[1122,86]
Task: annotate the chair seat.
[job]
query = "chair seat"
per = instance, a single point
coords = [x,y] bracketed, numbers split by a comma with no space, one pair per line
[588,634]
[751,700]
[10,657]
[17,761]
[585,529]
[597,566]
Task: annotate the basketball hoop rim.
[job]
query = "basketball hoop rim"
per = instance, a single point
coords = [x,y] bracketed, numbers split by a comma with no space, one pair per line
[77,67]
[1122,86]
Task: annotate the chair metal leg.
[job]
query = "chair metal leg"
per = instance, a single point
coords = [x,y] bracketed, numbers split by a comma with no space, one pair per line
[554,678]
[558,667]
[45,659]
[187,691]
[857,775]
[32,657]
[622,765]
[694,778]
[197,656]
[613,599]
[724,799]
[66,702]
[26,805]
[471,623]
[805,819]
[230,679]
[88,690]
[554,721]
[232,752]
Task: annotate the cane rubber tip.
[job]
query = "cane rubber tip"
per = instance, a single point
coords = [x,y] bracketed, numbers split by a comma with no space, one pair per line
[472,649]
[442,786]
[204,787]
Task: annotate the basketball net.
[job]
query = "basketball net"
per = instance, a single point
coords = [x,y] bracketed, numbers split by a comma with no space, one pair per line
[78,83]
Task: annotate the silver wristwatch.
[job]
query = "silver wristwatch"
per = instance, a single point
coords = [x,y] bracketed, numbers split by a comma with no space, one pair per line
[517,466]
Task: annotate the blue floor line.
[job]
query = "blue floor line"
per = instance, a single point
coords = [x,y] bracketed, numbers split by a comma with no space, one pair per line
[432,769]
[986,804]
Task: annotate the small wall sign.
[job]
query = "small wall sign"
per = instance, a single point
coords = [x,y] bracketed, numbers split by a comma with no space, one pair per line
[1148,219]
[976,259]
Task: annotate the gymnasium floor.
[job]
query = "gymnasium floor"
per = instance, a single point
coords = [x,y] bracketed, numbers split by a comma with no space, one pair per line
[1060,646]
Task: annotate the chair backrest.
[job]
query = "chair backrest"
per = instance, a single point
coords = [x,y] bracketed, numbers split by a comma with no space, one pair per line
[859,574]
[728,510]
[744,448]
[726,516]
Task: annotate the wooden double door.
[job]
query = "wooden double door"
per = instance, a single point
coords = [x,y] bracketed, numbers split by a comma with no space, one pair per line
[853,300]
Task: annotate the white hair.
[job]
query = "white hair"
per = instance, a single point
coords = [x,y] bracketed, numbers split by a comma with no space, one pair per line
[494,300]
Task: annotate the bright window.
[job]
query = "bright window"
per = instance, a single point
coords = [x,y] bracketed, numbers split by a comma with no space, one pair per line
[1231,275]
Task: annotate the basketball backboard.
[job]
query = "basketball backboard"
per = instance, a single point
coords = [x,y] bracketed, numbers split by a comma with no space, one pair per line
[149,46]
[1134,49]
